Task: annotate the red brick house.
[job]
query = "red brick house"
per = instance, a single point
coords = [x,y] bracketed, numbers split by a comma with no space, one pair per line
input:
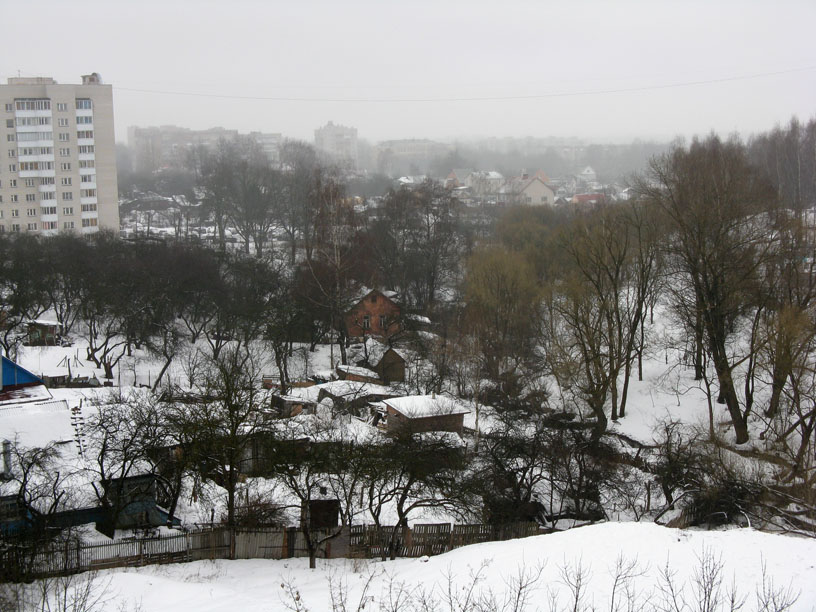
[376,314]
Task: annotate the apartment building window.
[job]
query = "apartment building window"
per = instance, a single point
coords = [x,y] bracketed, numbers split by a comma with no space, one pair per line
[89,222]
[32,227]
[31,197]
[62,106]
[64,137]
[9,123]
[68,225]
[47,180]
[87,193]
[87,163]
[28,136]
[15,212]
[12,182]
[12,153]
[68,211]
[12,167]
[29,182]
[9,107]
[2,228]
[15,227]
[49,225]
[67,195]
[15,197]
[1,212]
[85,134]
[10,137]
[36,151]
[65,152]
[48,210]
[66,180]
[84,104]
[88,178]
[34,104]
[48,195]
[62,122]
[28,121]
[29,166]
[65,166]
[31,212]
[86,149]
[85,119]
[88,207]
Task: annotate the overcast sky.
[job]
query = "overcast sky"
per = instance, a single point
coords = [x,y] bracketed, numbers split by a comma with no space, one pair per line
[600,71]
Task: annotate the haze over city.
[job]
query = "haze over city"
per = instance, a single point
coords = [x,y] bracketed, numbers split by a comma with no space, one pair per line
[607,72]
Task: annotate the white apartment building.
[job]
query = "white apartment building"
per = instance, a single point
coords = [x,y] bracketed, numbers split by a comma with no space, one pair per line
[339,142]
[57,156]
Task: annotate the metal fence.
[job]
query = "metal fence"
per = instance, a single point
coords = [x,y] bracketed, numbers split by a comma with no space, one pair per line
[366,541]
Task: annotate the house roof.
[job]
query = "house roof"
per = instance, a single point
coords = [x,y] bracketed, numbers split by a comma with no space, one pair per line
[364,292]
[460,174]
[18,385]
[357,371]
[13,375]
[420,406]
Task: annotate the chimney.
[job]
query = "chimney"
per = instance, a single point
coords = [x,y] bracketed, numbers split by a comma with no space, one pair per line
[6,460]
[524,174]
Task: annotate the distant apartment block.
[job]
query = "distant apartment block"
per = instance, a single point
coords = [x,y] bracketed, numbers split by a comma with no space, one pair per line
[411,156]
[169,146]
[339,142]
[57,156]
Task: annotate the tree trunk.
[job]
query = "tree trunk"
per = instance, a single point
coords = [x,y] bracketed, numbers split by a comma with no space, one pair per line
[729,395]
[161,372]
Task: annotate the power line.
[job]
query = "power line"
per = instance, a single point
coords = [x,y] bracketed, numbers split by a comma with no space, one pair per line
[563,94]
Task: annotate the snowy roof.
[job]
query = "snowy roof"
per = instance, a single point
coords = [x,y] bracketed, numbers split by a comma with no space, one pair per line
[357,371]
[418,318]
[419,406]
[36,425]
[372,351]
[448,438]
[352,388]
[19,395]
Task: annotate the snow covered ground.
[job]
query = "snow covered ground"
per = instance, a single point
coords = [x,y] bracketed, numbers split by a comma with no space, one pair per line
[265,585]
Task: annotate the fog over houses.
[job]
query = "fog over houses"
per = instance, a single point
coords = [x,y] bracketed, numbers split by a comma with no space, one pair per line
[469,307]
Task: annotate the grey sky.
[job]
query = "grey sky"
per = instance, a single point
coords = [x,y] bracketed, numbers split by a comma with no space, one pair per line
[366,50]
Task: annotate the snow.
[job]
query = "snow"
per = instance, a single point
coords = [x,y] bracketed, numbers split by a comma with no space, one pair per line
[418,406]
[32,393]
[358,371]
[255,585]
[36,425]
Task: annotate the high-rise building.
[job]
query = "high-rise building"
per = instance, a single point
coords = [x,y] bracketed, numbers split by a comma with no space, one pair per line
[339,141]
[57,156]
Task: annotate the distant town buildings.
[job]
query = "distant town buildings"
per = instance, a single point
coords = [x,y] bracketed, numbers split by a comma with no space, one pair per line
[338,142]
[408,157]
[58,170]
[168,146]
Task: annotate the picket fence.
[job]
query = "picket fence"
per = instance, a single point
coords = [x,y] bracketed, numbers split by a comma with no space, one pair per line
[359,541]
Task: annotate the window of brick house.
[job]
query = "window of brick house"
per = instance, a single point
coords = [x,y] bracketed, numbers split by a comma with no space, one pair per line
[366,321]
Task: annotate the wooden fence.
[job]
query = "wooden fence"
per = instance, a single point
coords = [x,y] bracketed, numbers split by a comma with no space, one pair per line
[366,541]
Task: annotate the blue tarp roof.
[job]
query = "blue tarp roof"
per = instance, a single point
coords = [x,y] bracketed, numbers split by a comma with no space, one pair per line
[13,374]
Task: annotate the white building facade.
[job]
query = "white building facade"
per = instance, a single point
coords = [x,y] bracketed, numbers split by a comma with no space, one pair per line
[58,156]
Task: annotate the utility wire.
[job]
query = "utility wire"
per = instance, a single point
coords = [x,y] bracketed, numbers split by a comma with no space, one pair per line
[562,94]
